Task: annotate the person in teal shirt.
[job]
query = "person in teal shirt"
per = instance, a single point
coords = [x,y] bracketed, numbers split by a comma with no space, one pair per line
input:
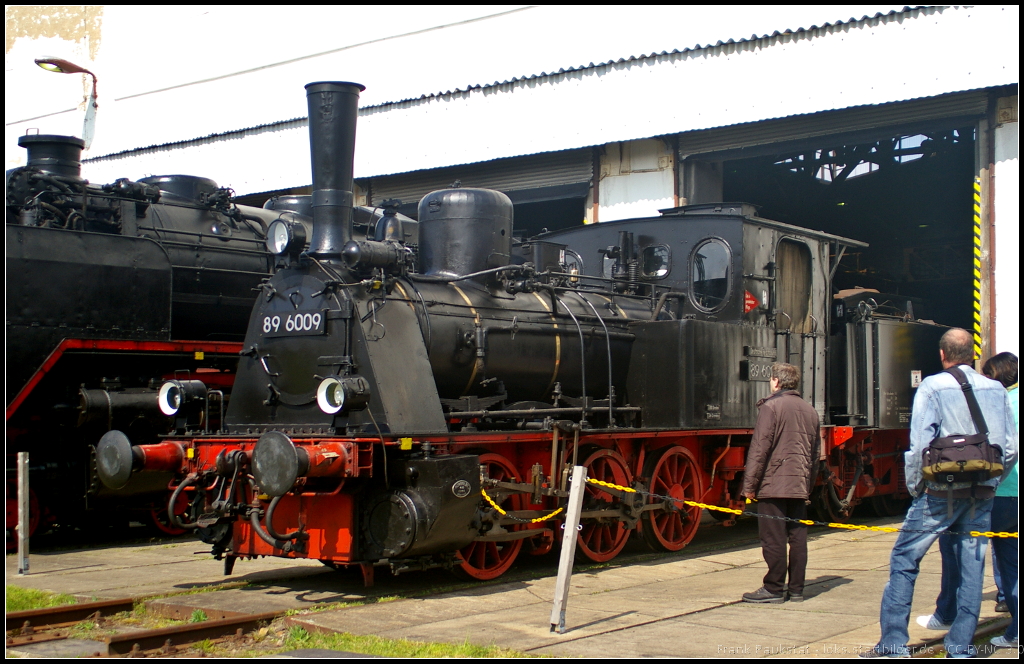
[1003,367]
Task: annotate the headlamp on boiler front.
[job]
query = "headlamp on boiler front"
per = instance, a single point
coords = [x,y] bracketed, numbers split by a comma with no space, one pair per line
[176,394]
[285,237]
[337,394]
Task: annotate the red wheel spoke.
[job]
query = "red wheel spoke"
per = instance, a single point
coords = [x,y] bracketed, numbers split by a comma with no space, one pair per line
[600,541]
[673,473]
[489,560]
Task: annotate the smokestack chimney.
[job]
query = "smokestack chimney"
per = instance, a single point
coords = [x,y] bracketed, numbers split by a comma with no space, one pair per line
[333,108]
[56,155]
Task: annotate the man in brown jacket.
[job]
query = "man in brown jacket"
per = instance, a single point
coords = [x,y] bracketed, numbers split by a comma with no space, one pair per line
[778,475]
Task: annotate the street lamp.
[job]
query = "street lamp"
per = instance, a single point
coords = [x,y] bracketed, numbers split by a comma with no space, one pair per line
[64,67]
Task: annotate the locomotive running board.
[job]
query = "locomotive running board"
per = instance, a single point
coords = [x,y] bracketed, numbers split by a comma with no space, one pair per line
[220,347]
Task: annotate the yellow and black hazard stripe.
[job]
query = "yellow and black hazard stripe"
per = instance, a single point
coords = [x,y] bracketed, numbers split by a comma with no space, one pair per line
[977,267]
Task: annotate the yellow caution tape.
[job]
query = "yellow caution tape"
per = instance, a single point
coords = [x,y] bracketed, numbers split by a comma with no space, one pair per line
[611,486]
[504,513]
[807,522]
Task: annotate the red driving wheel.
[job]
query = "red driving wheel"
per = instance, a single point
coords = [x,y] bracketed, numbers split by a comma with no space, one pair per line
[489,560]
[602,539]
[158,515]
[673,473]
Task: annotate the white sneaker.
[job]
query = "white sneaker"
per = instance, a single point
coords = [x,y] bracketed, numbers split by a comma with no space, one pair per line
[931,622]
[1003,642]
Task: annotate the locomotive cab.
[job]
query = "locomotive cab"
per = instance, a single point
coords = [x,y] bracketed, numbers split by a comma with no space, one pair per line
[734,292]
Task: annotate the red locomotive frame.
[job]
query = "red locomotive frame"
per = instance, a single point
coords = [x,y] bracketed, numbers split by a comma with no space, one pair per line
[686,465]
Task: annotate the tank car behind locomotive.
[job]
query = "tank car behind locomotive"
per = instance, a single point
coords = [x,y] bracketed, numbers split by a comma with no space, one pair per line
[389,401]
[111,290]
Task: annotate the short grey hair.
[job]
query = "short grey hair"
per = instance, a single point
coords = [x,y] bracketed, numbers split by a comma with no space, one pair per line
[957,346]
[787,375]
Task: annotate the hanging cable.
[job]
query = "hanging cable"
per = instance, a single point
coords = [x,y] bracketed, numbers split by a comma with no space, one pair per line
[608,342]
[583,356]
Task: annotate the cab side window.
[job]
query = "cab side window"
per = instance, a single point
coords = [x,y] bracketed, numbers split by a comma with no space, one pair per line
[656,262]
[710,271]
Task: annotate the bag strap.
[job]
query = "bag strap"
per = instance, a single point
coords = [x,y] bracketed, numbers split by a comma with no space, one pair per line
[972,401]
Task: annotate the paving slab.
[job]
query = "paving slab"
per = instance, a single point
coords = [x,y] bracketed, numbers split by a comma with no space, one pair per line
[632,576]
[668,638]
[62,648]
[145,569]
[779,621]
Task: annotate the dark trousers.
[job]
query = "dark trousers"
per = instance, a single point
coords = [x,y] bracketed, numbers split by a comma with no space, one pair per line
[775,534]
[1005,515]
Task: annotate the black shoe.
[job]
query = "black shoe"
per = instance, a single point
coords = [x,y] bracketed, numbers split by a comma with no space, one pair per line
[762,596]
[794,597]
[1002,608]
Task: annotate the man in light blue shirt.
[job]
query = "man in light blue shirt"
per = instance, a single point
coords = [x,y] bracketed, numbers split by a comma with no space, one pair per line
[940,409]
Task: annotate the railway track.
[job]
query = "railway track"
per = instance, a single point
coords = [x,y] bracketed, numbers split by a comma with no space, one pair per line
[56,623]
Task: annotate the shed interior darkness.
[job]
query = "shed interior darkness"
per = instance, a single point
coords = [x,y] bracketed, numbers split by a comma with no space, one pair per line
[532,218]
[909,197]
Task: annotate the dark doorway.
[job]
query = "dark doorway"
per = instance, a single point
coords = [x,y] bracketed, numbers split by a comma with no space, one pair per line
[910,197]
[531,219]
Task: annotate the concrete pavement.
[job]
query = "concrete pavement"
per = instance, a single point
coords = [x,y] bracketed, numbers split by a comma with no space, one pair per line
[138,570]
[680,605]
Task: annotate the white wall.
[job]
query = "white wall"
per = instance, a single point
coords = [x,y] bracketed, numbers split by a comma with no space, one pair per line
[1007,236]
[637,180]
[171,74]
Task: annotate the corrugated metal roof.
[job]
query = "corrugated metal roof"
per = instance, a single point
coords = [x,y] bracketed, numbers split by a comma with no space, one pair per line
[879,18]
[883,59]
[391,102]
[448,49]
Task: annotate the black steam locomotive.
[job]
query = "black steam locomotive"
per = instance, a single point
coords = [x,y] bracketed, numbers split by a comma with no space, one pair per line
[418,403]
[111,290]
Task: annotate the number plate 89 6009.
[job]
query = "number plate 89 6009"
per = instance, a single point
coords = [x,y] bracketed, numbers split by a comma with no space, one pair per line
[751,370]
[296,323]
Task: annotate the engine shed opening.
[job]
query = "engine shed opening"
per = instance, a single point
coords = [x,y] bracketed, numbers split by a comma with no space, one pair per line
[908,195]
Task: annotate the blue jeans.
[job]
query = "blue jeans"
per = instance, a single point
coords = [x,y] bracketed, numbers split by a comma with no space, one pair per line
[1004,550]
[945,603]
[931,514]
[1005,520]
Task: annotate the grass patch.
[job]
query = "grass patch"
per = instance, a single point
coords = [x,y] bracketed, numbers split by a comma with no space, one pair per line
[84,630]
[212,588]
[23,599]
[198,616]
[299,638]
[319,608]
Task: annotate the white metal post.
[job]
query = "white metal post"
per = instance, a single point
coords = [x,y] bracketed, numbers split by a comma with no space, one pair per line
[23,515]
[572,522]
